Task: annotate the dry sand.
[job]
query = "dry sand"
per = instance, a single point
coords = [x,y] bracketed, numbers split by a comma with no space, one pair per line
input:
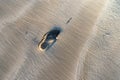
[87,48]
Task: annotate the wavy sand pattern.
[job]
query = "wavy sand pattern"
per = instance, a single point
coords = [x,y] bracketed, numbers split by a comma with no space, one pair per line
[87,48]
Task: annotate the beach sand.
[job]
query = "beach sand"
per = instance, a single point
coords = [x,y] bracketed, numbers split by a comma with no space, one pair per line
[86,49]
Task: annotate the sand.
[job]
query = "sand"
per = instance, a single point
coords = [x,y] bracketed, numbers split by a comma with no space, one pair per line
[86,49]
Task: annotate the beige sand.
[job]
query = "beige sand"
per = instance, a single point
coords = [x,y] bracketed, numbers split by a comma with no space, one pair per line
[87,49]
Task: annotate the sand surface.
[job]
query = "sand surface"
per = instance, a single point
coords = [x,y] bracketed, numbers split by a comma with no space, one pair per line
[88,48]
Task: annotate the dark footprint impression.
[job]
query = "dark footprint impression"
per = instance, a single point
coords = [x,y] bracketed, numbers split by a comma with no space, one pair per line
[49,39]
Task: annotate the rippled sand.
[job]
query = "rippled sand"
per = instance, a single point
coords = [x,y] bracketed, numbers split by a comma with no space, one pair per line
[87,48]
